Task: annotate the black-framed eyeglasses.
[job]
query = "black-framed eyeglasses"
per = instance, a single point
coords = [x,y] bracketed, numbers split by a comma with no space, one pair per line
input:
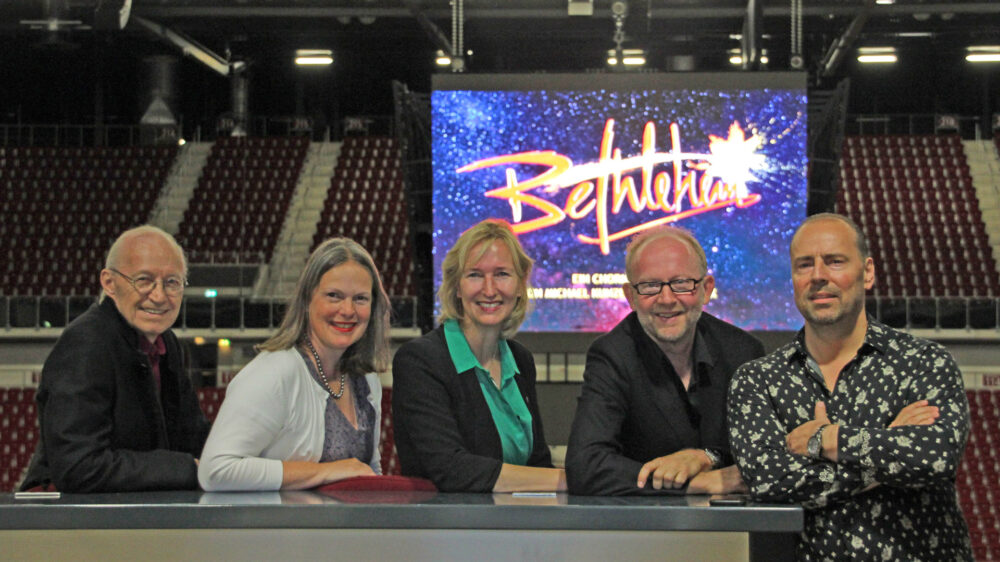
[144,284]
[677,286]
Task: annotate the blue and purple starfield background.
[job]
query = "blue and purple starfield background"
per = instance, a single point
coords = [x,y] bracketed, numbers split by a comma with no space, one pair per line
[747,247]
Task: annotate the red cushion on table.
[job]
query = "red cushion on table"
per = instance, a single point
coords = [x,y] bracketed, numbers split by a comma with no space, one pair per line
[380,489]
[388,483]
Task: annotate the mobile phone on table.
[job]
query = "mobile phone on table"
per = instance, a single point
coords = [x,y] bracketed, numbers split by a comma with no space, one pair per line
[727,500]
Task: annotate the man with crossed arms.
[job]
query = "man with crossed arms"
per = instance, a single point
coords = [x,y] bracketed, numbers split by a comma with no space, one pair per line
[862,424]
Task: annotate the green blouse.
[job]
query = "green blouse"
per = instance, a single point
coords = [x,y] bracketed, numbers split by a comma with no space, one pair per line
[510,413]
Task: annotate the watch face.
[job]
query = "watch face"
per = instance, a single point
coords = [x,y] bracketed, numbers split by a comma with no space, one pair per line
[815,443]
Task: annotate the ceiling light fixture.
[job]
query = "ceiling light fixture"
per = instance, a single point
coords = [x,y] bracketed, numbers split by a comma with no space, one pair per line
[313,57]
[875,59]
[736,58]
[983,53]
[442,59]
[630,57]
[875,55]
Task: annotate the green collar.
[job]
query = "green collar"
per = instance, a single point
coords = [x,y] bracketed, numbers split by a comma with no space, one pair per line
[464,359]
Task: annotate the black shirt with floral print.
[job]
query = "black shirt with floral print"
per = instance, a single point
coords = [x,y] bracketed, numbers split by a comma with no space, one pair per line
[891,494]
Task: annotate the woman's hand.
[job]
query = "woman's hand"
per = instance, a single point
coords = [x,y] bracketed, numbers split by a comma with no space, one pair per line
[302,475]
[344,469]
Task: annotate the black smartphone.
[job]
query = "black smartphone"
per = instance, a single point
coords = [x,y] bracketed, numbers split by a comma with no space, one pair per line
[727,500]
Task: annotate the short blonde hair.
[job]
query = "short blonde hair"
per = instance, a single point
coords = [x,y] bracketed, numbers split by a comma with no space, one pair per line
[641,240]
[459,256]
[368,354]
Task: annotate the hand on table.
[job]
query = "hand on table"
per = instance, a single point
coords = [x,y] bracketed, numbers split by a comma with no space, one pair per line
[673,471]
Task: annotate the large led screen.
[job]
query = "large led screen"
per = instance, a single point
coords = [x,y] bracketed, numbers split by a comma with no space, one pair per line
[578,164]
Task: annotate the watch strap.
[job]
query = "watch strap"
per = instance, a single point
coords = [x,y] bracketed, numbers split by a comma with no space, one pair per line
[815,444]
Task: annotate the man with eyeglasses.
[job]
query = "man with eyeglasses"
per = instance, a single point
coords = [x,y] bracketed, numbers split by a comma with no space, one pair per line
[863,425]
[116,410]
[651,417]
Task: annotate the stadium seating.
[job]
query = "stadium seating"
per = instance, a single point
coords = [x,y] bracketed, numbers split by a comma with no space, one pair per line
[366,203]
[64,206]
[18,434]
[978,481]
[913,197]
[238,207]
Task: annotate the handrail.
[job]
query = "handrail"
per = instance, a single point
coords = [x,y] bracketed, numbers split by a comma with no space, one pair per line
[73,135]
[45,316]
[241,313]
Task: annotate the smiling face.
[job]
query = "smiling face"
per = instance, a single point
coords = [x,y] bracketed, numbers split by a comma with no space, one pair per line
[340,308]
[148,255]
[669,319]
[489,286]
[829,275]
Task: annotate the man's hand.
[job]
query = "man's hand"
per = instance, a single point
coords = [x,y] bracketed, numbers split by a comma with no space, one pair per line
[918,413]
[798,440]
[722,481]
[673,471]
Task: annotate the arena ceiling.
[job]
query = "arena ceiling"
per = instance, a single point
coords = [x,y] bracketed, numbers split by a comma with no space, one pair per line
[527,35]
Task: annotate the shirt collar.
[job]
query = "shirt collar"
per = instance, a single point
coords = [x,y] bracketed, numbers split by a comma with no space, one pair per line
[461,353]
[155,348]
[876,339]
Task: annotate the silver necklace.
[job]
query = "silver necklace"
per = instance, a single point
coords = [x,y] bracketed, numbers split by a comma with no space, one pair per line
[322,375]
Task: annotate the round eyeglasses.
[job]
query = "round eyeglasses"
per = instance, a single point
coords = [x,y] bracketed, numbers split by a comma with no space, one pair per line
[144,284]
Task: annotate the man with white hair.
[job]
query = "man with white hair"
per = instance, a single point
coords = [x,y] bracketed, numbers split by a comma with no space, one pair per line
[117,412]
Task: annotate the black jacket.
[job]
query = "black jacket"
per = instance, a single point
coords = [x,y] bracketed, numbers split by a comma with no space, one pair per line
[103,428]
[443,427]
[631,412]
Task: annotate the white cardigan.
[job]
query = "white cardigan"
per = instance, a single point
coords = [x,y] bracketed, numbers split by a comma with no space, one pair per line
[274,411]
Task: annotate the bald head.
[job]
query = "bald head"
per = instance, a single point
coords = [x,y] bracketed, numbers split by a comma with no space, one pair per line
[117,251]
[643,239]
[860,240]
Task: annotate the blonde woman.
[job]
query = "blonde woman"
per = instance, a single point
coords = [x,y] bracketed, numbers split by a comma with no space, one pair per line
[465,413]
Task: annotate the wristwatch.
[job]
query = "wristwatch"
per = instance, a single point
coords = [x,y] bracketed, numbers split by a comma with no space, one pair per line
[713,457]
[814,447]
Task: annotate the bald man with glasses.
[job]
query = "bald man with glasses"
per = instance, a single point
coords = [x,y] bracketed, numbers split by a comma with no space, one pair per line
[117,411]
[651,417]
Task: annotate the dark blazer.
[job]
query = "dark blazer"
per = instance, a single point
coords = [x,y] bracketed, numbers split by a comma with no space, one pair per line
[103,428]
[443,427]
[630,411]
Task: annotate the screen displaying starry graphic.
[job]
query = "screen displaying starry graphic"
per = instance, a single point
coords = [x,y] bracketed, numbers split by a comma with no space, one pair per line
[578,171]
